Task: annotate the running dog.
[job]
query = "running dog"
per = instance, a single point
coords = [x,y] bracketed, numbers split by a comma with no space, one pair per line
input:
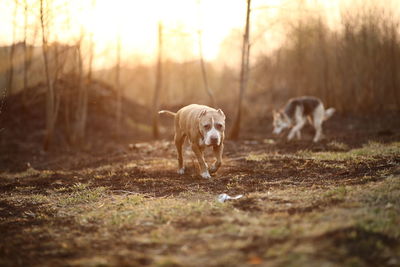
[295,113]
[204,127]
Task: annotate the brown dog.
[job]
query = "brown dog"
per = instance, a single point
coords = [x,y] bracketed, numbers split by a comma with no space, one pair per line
[204,126]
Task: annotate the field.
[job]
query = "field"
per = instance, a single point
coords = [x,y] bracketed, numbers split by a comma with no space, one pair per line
[336,203]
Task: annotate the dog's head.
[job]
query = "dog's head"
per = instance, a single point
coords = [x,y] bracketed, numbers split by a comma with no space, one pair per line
[280,122]
[212,127]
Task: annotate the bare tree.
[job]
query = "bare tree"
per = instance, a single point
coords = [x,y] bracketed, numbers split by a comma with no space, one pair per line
[158,84]
[204,72]
[82,109]
[91,57]
[77,134]
[82,101]
[118,83]
[25,50]
[209,91]
[394,58]
[28,49]
[10,73]
[51,103]
[244,74]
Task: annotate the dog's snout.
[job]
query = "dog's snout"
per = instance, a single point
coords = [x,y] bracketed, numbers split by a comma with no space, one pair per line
[214,140]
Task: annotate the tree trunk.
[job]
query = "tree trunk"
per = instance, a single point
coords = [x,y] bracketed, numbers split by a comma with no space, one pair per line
[81,112]
[204,73]
[158,85]
[28,54]
[10,73]
[25,53]
[118,84]
[50,96]
[244,74]
[394,68]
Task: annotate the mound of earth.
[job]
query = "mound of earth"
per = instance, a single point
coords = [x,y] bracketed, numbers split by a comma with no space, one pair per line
[22,120]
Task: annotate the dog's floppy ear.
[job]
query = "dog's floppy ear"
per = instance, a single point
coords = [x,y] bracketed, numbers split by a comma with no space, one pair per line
[203,112]
[221,112]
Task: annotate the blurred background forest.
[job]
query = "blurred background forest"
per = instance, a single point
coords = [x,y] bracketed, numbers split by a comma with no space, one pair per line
[81,73]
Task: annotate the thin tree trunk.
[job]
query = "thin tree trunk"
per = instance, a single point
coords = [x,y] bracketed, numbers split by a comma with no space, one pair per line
[81,112]
[91,56]
[325,64]
[158,84]
[83,89]
[10,74]
[25,52]
[394,68]
[204,72]
[28,55]
[50,97]
[244,73]
[118,84]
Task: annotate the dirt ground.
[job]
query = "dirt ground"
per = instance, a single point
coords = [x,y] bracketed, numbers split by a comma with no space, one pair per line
[335,203]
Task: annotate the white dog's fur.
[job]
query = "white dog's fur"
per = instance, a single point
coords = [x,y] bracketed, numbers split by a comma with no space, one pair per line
[203,126]
[295,115]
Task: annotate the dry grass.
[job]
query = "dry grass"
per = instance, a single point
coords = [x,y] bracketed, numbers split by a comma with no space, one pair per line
[333,224]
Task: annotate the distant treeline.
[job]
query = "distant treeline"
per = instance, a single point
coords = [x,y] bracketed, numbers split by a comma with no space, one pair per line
[355,68]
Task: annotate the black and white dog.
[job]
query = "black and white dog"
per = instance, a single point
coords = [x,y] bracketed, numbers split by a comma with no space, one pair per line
[295,114]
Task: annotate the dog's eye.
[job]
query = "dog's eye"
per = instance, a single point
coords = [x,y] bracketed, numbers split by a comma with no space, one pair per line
[207,126]
[218,126]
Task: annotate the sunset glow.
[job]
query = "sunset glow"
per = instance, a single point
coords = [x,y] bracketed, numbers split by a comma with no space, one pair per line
[135,23]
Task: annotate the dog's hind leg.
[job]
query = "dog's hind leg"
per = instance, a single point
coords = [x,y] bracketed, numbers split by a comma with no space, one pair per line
[298,135]
[179,140]
[218,155]
[318,131]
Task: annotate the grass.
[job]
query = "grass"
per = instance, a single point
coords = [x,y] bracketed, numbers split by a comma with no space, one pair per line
[338,193]
[369,151]
[81,194]
[257,157]
[187,227]
[384,201]
[280,224]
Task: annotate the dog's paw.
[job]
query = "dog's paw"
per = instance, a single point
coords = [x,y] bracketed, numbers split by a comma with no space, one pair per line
[181,171]
[205,175]
[214,168]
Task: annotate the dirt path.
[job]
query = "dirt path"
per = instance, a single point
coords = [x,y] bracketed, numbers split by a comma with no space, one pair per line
[303,203]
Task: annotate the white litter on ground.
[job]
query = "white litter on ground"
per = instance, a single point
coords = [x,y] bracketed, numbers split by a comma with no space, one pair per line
[223,197]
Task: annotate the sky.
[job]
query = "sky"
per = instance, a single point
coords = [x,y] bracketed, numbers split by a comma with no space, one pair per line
[135,22]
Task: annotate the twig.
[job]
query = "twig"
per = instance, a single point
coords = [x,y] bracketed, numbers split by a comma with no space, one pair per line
[125,191]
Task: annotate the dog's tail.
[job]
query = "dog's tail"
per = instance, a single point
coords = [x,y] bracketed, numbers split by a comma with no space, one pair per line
[328,113]
[167,112]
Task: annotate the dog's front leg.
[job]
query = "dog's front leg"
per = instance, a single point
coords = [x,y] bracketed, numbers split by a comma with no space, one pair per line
[202,163]
[218,155]
[179,139]
[296,128]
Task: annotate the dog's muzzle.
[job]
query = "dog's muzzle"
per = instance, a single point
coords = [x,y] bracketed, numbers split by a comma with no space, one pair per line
[212,138]
[214,141]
